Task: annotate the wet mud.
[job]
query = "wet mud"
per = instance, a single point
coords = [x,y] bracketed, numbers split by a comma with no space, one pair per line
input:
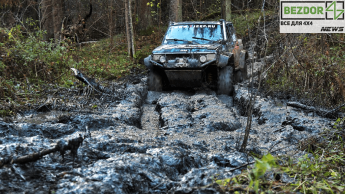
[138,141]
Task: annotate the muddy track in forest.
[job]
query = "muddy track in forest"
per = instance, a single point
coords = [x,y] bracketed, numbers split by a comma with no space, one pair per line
[146,142]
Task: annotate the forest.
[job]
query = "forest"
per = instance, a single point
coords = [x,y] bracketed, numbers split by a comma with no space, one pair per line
[77,114]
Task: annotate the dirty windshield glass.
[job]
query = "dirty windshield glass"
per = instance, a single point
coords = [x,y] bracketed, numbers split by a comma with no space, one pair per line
[202,34]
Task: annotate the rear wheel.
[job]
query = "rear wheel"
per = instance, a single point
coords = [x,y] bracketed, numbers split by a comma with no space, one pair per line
[154,81]
[225,82]
[241,75]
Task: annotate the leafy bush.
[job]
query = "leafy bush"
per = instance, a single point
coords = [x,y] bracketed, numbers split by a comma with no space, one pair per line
[28,56]
[310,67]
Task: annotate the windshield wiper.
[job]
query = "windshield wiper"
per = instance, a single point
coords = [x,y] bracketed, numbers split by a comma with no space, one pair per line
[175,39]
[202,38]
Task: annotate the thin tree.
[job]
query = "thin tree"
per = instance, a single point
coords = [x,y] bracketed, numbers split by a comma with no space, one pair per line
[175,12]
[252,95]
[129,29]
[47,19]
[57,7]
[111,22]
[144,15]
[226,10]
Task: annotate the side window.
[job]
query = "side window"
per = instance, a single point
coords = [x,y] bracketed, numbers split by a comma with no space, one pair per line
[230,34]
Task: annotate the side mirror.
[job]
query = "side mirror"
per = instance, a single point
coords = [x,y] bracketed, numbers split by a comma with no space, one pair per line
[240,44]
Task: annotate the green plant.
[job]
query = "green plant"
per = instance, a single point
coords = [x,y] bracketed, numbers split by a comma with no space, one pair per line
[260,167]
[37,59]
[253,177]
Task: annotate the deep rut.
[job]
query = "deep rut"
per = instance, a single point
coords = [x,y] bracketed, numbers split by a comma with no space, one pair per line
[148,142]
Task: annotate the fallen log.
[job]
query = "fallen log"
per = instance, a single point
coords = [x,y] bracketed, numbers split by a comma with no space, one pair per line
[88,42]
[322,112]
[91,82]
[62,146]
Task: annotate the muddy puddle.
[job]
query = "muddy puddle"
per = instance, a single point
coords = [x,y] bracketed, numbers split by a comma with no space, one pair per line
[147,142]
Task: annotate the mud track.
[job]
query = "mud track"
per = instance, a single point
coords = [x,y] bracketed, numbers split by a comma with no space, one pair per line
[146,142]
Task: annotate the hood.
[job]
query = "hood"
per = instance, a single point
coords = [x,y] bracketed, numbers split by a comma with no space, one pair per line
[186,48]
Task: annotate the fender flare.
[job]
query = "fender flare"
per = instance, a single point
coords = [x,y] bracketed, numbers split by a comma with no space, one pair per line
[147,62]
[223,60]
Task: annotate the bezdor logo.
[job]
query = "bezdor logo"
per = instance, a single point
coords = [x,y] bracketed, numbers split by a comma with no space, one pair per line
[312,16]
[303,10]
[329,10]
[333,7]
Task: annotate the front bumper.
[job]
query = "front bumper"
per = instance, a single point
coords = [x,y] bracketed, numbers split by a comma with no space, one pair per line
[177,63]
[184,78]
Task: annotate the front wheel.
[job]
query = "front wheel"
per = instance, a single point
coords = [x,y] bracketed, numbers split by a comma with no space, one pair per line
[225,82]
[154,81]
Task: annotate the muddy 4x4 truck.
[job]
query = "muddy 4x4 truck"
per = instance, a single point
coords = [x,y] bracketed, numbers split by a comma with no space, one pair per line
[195,54]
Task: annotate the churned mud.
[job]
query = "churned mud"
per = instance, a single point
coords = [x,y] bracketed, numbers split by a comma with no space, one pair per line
[137,141]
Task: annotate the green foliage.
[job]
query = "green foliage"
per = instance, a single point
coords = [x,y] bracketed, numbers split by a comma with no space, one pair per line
[33,48]
[97,60]
[322,172]
[146,32]
[223,182]
[337,123]
[4,113]
[28,56]
[152,4]
[260,167]
[244,20]
[325,170]
[252,178]
[2,65]
[68,83]
[315,72]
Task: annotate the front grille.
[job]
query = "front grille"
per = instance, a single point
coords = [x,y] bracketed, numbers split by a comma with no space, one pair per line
[174,56]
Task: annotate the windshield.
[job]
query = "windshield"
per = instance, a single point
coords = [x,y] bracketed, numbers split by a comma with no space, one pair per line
[202,34]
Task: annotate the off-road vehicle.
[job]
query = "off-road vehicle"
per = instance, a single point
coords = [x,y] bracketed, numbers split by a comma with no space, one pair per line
[194,54]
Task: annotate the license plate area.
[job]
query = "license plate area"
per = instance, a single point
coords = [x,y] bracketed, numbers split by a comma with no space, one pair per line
[184,78]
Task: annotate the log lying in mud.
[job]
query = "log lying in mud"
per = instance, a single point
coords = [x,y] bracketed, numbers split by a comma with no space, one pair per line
[91,82]
[322,112]
[86,80]
[62,146]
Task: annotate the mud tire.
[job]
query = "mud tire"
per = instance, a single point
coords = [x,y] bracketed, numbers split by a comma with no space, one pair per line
[241,75]
[225,80]
[154,81]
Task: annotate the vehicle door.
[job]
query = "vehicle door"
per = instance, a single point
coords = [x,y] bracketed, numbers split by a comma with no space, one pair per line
[231,37]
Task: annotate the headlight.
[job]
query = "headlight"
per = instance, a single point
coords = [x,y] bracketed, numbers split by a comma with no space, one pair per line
[210,57]
[202,58]
[156,57]
[162,59]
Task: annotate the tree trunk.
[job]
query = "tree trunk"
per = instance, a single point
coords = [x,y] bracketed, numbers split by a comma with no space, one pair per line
[111,23]
[57,17]
[145,18]
[129,28]
[248,127]
[47,19]
[131,31]
[175,11]
[226,10]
